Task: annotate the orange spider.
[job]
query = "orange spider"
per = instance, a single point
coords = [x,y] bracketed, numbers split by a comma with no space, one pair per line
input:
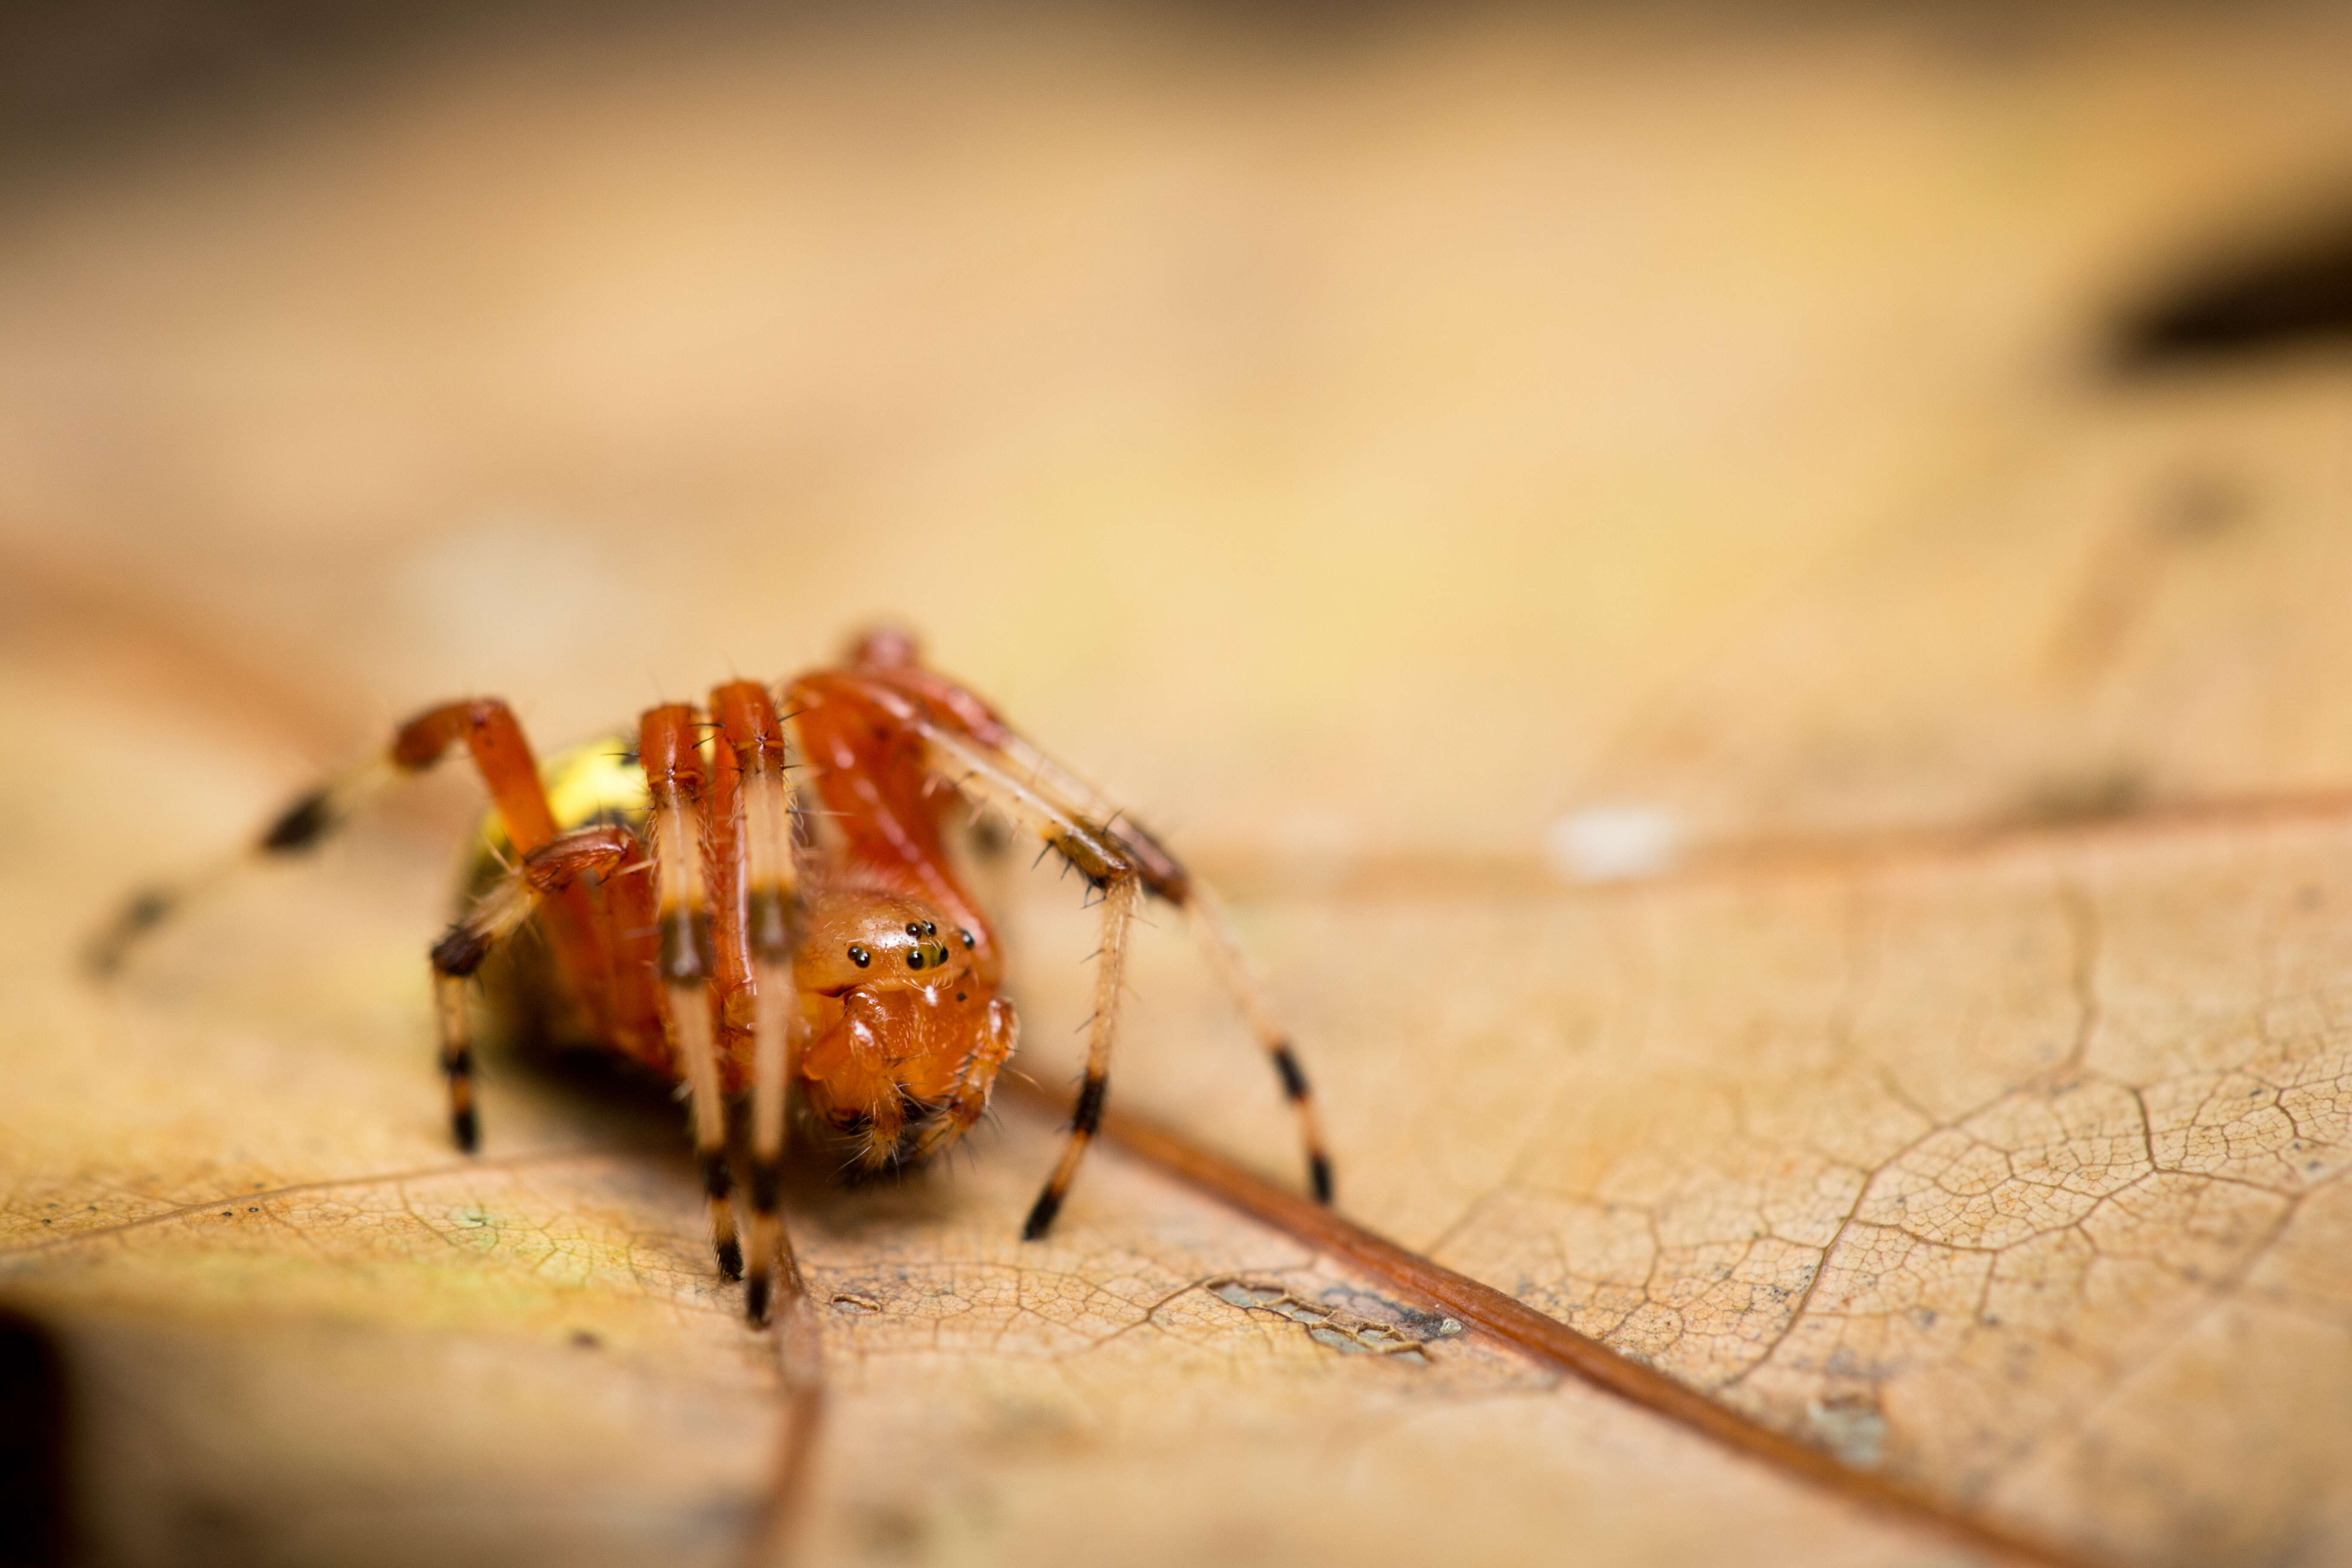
[698,925]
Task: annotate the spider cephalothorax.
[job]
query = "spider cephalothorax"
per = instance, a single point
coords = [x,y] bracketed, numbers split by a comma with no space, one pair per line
[699,924]
[905,1030]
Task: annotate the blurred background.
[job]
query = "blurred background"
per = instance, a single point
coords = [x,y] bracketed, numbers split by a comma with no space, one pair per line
[1358,434]
[1399,449]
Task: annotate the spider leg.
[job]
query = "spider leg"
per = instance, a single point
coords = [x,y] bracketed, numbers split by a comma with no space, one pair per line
[502,755]
[1032,797]
[970,766]
[767,919]
[547,872]
[677,784]
[300,827]
[1110,859]
[1118,896]
[1203,911]
[1206,914]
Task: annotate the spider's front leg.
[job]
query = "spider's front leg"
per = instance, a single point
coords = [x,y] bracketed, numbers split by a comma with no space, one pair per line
[676,783]
[750,760]
[547,873]
[1121,864]
[1119,896]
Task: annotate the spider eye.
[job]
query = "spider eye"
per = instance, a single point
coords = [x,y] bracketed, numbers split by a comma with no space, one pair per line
[860,956]
[914,930]
[929,928]
[914,958]
[966,935]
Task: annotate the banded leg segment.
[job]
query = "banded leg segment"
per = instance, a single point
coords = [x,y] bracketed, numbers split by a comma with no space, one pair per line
[1105,854]
[494,737]
[502,755]
[677,782]
[549,871]
[1118,898]
[751,745]
[300,827]
[1215,934]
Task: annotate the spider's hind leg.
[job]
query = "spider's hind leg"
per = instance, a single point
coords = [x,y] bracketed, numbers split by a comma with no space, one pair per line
[502,755]
[500,752]
[305,823]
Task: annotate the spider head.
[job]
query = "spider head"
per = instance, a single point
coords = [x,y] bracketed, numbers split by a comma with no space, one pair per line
[907,1031]
[878,941]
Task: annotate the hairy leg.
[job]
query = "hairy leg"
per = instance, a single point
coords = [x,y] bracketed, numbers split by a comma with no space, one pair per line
[751,745]
[549,871]
[677,782]
[1110,975]
[500,753]
[1105,854]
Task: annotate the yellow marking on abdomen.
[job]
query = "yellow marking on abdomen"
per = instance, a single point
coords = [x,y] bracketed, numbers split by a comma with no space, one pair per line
[598,781]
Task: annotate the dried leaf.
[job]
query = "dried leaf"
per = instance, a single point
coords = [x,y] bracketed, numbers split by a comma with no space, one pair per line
[1513,433]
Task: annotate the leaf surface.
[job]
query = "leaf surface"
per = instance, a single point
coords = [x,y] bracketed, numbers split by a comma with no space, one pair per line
[1962,1090]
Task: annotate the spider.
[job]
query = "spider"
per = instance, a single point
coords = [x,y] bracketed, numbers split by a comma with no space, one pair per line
[699,922]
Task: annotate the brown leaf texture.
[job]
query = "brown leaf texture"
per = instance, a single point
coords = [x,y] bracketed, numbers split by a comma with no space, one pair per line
[2011,1176]
[1367,460]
